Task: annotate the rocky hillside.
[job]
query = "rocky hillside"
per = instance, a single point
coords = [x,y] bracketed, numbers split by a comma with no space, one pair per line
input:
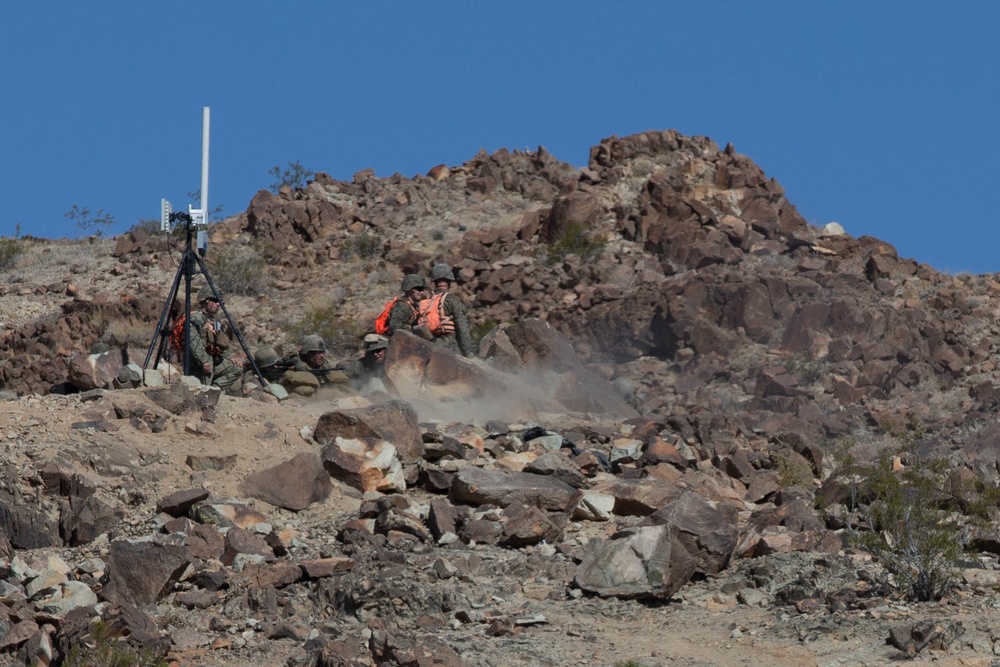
[682,370]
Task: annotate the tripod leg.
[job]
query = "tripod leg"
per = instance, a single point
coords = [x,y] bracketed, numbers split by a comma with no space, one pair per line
[161,333]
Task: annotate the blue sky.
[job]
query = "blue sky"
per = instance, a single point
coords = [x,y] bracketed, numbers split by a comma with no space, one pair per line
[882,116]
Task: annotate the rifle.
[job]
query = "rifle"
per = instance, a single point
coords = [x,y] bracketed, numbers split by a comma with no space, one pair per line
[290,366]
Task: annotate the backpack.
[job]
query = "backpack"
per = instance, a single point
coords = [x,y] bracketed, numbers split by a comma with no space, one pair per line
[177,334]
[382,321]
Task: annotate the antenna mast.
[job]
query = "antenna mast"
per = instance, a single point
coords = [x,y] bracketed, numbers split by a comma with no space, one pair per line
[191,264]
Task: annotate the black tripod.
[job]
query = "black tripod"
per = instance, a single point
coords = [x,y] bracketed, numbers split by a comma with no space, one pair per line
[191,264]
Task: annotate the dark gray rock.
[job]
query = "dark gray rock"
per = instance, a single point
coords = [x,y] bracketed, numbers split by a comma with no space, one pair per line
[141,573]
[294,485]
[479,487]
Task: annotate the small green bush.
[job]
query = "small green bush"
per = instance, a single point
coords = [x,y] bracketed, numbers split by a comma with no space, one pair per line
[238,270]
[907,531]
[11,249]
[103,649]
[573,239]
[366,246]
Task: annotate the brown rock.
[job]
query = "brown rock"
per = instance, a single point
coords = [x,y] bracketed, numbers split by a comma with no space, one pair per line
[479,487]
[143,572]
[367,465]
[179,502]
[294,485]
[95,371]
[325,567]
[393,421]
[240,541]
[524,525]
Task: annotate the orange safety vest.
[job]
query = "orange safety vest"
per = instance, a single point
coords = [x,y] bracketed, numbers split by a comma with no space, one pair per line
[432,315]
[382,321]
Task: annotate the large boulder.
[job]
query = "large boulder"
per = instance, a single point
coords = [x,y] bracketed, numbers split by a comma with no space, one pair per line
[141,573]
[640,563]
[658,556]
[708,535]
[438,381]
[294,485]
[367,464]
[26,526]
[96,371]
[394,421]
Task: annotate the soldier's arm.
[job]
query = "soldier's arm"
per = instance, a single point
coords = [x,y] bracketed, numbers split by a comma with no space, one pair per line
[456,310]
[199,355]
[400,317]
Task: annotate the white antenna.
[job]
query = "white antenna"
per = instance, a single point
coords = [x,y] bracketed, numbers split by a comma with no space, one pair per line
[198,216]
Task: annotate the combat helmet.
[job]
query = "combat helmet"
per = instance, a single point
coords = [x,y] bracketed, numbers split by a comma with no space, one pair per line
[205,293]
[413,281]
[442,272]
[312,343]
[265,357]
[375,342]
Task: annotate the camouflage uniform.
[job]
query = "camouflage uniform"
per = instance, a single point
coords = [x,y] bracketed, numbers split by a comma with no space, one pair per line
[224,372]
[451,307]
[368,374]
[269,366]
[402,316]
[461,341]
[304,379]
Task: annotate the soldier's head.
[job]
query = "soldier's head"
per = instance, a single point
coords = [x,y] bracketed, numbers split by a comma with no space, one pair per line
[413,287]
[265,357]
[442,276]
[313,351]
[376,346]
[208,301]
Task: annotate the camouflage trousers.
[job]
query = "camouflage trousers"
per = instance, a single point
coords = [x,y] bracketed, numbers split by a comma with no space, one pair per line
[224,375]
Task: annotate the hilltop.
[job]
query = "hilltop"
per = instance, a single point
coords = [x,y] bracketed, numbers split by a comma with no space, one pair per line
[736,357]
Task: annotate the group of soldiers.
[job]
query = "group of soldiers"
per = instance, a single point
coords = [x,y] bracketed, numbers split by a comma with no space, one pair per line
[432,311]
[429,310]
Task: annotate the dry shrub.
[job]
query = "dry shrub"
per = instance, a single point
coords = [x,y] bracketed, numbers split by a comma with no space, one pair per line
[909,531]
[793,469]
[103,649]
[574,239]
[238,270]
[366,246]
[11,249]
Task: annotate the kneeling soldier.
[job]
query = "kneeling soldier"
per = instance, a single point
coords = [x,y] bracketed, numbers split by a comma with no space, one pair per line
[208,344]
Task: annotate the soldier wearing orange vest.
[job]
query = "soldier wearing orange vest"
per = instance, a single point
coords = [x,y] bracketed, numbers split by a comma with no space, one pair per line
[443,315]
[402,311]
